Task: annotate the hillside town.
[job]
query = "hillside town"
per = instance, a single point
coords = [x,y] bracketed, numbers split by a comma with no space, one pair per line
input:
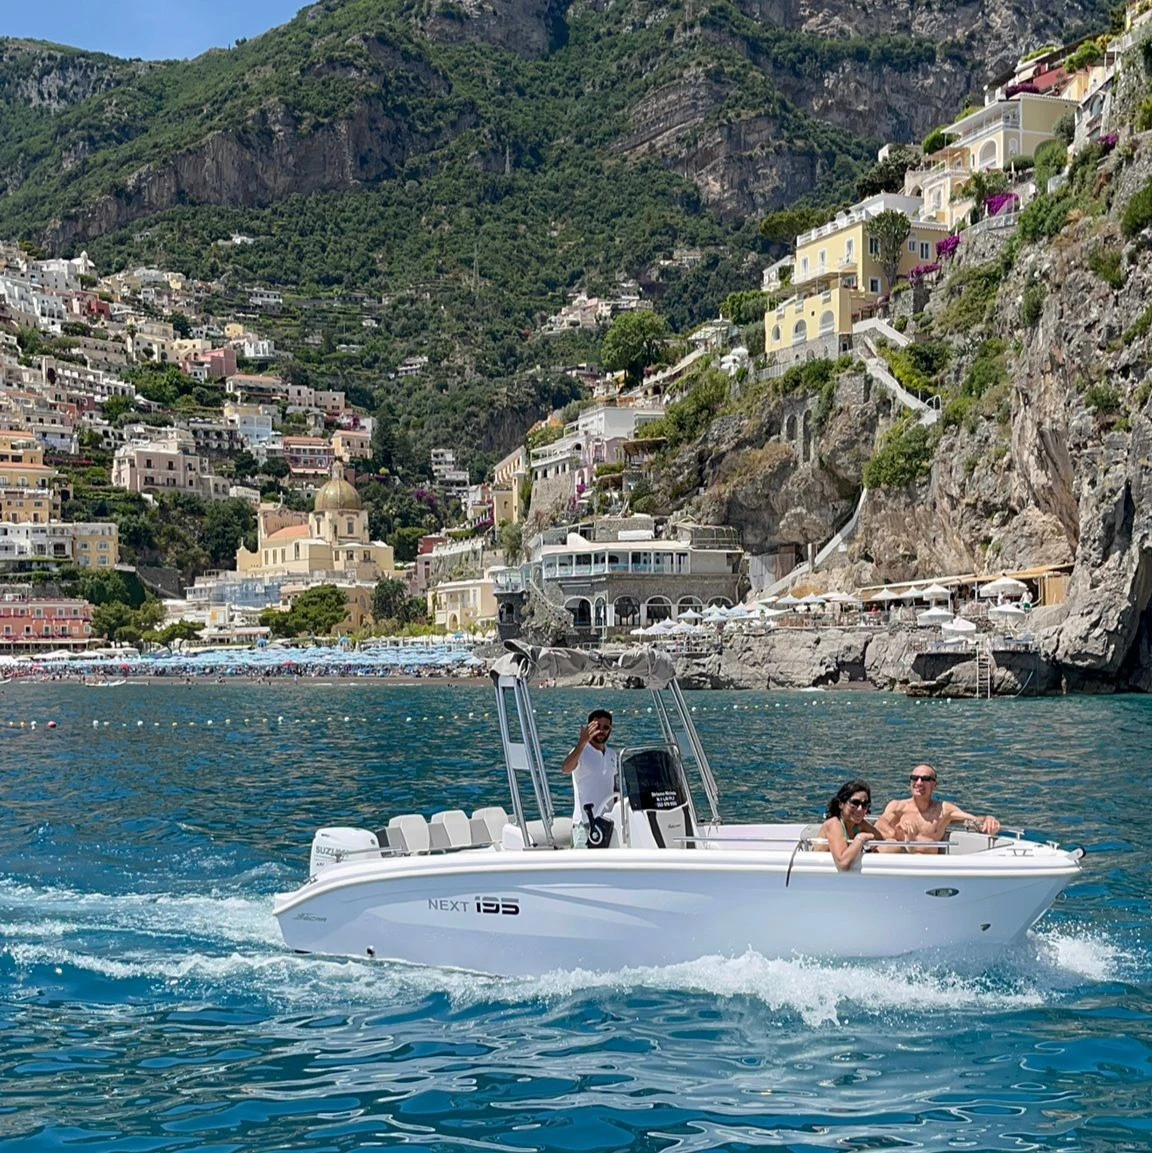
[561,520]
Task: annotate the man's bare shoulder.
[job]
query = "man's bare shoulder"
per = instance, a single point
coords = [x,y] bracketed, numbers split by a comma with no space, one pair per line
[901,805]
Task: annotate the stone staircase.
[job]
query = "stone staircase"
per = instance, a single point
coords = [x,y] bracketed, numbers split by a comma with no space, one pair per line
[928,410]
[841,536]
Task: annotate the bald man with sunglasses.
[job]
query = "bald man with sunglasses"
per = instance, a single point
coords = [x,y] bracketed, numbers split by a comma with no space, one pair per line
[920,818]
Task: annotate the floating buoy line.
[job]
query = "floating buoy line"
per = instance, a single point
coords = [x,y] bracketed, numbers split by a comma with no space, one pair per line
[282,720]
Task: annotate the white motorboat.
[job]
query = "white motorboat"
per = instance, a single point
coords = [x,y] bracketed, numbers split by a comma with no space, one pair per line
[501,893]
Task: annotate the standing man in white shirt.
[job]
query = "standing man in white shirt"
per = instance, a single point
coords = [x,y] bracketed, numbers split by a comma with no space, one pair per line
[593,767]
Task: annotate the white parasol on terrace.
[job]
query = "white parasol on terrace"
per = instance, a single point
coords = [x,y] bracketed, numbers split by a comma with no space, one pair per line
[737,613]
[842,599]
[691,616]
[1007,614]
[936,592]
[937,615]
[813,599]
[1004,587]
[682,628]
[788,601]
[768,600]
[886,595]
[958,625]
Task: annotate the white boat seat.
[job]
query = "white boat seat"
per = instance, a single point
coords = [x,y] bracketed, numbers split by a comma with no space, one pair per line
[450,830]
[487,824]
[811,834]
[412,831]
[561,832]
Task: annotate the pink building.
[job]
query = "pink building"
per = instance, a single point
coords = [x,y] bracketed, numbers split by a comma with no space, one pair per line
[308,456]
[218,362]
[28,621]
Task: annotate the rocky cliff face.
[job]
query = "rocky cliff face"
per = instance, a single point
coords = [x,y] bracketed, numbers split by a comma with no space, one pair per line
[270,158]
[732,113]
[1051,465]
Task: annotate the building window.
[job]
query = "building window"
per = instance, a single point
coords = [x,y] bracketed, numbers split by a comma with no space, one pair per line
[873,246]
[873,284]
[776,333]
[912,245]
[925,251]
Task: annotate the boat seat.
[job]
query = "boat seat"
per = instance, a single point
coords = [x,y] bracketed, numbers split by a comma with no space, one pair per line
[810,834]
[450,830]
[387,848]
[409,833]
[561,832]
[487,825]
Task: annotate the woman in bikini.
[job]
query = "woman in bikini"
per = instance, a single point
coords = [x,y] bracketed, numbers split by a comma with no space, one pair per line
[847,831]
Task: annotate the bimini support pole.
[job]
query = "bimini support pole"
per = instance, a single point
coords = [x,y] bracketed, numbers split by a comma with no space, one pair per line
[522,755]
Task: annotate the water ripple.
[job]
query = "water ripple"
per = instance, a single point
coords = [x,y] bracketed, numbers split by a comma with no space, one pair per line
[146,1001]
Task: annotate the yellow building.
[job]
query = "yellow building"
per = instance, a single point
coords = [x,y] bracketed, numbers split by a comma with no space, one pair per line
[992,135]
[349,444]
[986,139]
[329,545]
[838,274]
[463,604]
[18,447]
[28,492]
[505,506]
[825,315]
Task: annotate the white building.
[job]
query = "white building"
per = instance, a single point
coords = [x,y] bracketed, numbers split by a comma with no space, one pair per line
[253,421]
[258,349]
[265,298]
[89,545]
[166,462]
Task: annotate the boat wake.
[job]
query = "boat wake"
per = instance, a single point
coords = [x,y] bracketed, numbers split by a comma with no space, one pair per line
[225,946]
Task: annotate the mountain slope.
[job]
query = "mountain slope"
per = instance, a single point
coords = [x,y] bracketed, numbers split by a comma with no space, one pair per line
[468,164]
[745,102]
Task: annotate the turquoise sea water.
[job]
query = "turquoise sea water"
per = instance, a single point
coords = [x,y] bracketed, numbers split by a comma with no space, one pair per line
[146,1002]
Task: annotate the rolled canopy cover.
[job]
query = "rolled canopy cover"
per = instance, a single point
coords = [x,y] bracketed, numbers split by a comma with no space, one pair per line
[654,667]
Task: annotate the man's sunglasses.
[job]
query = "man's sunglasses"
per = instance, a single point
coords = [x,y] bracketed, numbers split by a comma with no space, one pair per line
[923,780]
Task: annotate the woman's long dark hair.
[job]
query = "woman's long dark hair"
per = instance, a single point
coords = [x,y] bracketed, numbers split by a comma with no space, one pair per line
[844,792]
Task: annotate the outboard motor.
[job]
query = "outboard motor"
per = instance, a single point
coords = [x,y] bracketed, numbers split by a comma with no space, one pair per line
[658,797]
[331,846]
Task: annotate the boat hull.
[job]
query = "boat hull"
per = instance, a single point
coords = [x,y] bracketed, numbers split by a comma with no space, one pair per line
[533,912]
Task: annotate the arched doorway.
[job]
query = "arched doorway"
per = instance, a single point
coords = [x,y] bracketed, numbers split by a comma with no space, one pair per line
[581,610]
[657,609]
[626,611]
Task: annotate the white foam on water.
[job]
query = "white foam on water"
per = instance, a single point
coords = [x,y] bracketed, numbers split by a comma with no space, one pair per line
[816,991]
[222,944]
[1085,953]
[211,916]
